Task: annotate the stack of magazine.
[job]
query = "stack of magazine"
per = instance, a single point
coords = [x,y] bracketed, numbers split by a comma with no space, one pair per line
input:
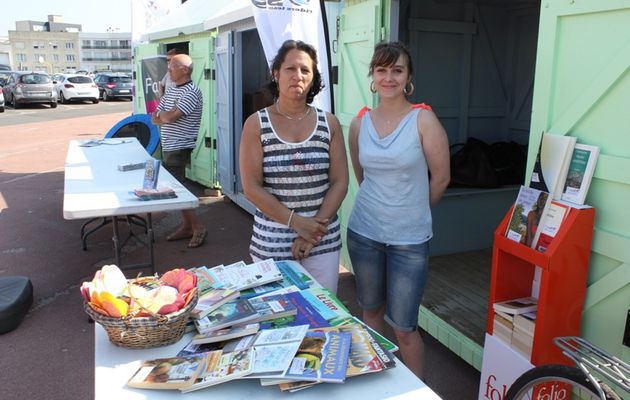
[267,321]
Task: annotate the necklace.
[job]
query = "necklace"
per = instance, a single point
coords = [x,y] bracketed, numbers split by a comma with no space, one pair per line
[295,118]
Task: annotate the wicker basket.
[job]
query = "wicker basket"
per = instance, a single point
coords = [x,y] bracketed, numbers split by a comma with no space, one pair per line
[144,332]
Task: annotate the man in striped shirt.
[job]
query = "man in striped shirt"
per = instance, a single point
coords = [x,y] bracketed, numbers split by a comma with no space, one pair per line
[179,117]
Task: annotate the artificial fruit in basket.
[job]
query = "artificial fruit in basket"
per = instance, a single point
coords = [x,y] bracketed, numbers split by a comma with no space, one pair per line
[111,294]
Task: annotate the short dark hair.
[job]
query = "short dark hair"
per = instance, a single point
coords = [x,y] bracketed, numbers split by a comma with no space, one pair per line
[287,46]
[175,51]
[387,53]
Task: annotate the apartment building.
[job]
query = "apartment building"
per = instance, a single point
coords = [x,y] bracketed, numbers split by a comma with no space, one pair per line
[50,46]
[54,46]
[110,51]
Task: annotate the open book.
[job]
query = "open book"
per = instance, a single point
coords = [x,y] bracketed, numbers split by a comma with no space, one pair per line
[222,367]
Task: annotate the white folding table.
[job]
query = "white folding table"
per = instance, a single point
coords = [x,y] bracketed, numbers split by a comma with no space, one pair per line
[94,187]
[115,365]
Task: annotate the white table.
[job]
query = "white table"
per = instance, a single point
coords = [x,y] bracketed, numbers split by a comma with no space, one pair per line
[115,365]
[94,187]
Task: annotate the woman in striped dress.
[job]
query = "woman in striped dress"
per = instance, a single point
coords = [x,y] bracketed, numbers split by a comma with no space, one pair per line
[294,169]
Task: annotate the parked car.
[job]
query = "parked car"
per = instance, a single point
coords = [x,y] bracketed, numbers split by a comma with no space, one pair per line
[71,87]
[1,100]
[114,85]
[4,77]
[29,88]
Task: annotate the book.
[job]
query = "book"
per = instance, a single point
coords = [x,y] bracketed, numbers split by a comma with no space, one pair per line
[204,281]
[381,340]
[526,322]
[167,373]
[151,173]
[556,213]
[522,342]
[223,367]
[272,307]
[322,357]
[552,163]
[294,273]
[275,349]
[227,346]
[306,313]
[516,306]
[502,328]
[240,276]
[527,216]
[235,312]
[332,303]
[580,173]
[225,334]
[211,300]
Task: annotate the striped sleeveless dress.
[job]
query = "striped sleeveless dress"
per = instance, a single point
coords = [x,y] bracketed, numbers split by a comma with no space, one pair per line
[297,175]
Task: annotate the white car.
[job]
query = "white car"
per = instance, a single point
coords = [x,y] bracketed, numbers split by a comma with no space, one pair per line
[75,87]
[1,100]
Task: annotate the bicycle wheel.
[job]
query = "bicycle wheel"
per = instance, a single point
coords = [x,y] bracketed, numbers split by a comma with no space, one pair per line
[556,382]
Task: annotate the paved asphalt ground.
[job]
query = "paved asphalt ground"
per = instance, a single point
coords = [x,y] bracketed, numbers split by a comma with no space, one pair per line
[51,354]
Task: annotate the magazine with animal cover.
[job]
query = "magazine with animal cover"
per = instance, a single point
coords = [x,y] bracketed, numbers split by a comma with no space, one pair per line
[235,312]
[226,367]
[527,216]
[167,373]
[322,357]
[382,341]
[580,174]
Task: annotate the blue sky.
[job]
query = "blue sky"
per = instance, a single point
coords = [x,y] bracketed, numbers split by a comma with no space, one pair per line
[93,16]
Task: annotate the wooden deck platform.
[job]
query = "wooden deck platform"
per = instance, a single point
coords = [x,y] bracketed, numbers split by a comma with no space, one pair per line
[457,291]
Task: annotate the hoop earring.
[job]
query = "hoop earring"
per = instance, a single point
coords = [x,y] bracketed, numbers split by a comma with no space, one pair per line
[409,92]
[373,87]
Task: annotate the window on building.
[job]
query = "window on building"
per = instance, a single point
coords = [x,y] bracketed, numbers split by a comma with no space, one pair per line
[69,45]
[20,57]
[39,28]
[24,68]
[38,45]
[87,43]
[125,43]
[40,57]
[69,57]
[18,45]
[100,43]
[55,57]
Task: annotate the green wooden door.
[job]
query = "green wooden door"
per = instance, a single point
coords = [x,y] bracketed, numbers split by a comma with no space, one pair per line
[360,28]
[202,160]
[140,52]
[582,89]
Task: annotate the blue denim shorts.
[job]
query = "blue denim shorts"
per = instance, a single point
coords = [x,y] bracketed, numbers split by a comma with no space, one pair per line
[394,275]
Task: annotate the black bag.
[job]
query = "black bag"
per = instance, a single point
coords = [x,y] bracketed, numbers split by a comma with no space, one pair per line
[471,165]
[509,160]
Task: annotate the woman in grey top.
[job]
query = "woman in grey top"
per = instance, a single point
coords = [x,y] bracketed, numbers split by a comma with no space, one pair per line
[400,157]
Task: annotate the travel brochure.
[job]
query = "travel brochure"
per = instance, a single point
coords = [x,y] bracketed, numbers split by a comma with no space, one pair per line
[287,337]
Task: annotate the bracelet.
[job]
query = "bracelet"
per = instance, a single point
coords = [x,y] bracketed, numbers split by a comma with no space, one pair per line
[290,217]
[157,115]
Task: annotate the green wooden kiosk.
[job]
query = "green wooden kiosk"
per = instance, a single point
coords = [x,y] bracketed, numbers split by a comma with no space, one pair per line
[496,70]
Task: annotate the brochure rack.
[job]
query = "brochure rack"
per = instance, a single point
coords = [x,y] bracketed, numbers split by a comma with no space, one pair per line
[562,283]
